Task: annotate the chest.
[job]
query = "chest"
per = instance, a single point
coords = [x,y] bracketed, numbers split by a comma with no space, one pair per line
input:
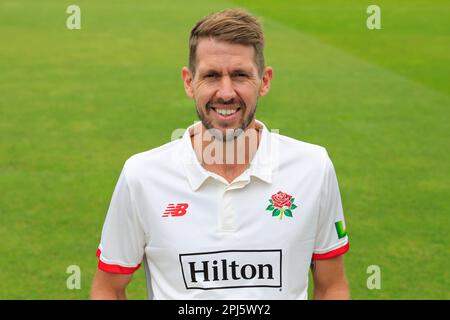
[218,217]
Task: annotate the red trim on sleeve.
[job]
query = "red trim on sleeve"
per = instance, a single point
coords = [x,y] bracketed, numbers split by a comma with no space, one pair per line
[114,268]
[332,254]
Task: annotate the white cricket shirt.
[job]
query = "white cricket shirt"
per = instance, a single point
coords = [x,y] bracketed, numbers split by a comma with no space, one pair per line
[201,237]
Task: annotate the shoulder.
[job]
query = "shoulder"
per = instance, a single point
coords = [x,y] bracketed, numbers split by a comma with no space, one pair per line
[302,151]
[154,160]
[302,159]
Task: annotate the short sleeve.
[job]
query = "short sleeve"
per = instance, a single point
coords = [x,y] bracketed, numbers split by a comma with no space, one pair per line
[121,248]
[331,236]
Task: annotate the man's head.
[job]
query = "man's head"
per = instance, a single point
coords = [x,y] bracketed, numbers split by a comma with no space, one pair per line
[226,73]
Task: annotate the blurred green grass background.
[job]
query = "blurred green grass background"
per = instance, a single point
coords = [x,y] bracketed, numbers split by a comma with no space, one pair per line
[75,105]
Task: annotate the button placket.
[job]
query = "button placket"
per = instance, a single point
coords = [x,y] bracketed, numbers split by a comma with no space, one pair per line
[226,217]
[226,210]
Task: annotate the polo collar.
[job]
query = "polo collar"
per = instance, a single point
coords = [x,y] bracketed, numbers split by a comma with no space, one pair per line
[261,166]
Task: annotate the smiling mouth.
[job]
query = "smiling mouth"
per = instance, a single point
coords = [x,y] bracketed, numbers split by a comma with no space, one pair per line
[226,112]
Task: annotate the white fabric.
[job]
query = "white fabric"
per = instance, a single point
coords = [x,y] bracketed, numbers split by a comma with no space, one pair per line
[226,245]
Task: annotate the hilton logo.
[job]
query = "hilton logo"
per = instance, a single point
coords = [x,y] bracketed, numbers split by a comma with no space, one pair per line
[231,269]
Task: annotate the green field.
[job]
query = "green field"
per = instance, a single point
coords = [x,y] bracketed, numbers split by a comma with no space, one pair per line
[74,105]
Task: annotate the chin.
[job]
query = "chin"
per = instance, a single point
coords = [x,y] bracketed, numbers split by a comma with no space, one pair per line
[225,133]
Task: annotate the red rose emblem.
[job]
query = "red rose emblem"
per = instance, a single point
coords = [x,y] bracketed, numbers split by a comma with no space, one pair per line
[281,199]
[281,204]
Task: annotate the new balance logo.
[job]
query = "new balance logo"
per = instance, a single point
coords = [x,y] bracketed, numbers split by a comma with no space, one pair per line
[177,210]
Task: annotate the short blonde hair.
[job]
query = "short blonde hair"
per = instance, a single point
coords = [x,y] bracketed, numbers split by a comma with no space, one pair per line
[233,26]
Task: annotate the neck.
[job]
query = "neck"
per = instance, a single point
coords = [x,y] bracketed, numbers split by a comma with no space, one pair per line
[230,158]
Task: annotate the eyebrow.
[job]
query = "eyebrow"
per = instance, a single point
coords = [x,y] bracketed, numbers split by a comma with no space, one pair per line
[210,71]
[215,72]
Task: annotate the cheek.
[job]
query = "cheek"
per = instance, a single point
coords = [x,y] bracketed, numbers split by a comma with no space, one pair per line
[248,93]
[250,102]
[202,96]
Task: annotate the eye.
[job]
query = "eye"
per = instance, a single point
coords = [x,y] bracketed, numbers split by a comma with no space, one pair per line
[240,75]
[210,75]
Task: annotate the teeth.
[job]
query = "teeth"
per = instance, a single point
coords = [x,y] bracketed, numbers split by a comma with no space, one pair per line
[226,112]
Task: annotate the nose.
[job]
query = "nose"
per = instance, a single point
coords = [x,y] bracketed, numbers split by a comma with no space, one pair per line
[226,90]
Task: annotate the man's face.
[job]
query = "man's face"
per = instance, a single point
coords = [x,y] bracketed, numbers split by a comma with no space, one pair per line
[226,85]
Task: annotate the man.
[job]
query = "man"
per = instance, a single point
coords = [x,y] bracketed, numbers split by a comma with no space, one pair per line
[230,211]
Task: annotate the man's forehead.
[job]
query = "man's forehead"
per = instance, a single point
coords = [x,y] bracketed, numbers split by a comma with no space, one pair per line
[213,54]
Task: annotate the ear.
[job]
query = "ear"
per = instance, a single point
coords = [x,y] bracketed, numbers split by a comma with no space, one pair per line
[187,77]
[266,79]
